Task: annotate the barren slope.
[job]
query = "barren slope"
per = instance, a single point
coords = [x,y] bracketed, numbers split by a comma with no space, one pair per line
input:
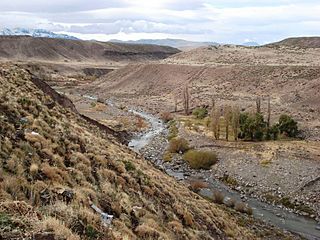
[53,162]
[240,55]
[293,89]
[301,42]
[46,49]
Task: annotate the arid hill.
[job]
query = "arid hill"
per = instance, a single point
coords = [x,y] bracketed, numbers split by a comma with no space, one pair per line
[55,163]
[230,75]
[241,55]
[301,42]
[26,48]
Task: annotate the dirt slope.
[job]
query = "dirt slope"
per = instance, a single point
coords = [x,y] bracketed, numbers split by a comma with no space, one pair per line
[53,162]
[46,49]
[293,89]
[240,55]
[301,42]
[229,74]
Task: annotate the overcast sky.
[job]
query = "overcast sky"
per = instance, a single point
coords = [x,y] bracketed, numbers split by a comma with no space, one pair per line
[222,21]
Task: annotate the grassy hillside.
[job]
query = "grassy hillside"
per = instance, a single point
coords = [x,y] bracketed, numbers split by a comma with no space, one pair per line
[53,164]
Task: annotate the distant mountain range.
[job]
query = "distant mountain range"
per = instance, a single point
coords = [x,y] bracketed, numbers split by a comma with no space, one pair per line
[34,33]
[179,43]
[251,44]
[176,43]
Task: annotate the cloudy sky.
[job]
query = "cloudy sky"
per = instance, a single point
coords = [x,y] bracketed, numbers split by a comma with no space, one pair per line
[222,21]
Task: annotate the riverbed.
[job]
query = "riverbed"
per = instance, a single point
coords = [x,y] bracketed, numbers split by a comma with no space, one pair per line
[152,143]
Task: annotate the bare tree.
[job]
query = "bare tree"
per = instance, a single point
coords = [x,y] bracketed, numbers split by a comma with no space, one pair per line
[258,104]
[235,122]
[186,100]
[213,103]
[228,118]
[175,103]
[215,123]
[269,111]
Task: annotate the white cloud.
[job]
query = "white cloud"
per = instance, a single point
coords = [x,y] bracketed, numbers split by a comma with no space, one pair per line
[204,20]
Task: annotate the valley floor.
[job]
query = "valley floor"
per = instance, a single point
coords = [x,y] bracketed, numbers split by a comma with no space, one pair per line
[282,173]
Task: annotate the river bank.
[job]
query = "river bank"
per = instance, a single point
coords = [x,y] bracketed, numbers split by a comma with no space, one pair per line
[268,213]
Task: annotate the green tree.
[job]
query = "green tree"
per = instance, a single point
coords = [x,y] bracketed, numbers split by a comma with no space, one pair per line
[252,126]
[288,126]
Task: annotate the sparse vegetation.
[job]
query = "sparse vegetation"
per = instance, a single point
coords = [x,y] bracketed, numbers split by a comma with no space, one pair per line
[173,130]
[218,197]
[200,159]
[200,112]
[254,128]
[166,117]
[167,157]
[287,125]
[196,186]
[178,145]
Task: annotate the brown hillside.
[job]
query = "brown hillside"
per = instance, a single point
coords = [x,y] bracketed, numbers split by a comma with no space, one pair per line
[46,49]
[293,89]
[240,55]
[301,42]
[52,163]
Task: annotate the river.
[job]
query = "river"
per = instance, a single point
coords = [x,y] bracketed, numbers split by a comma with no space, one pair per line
[306,227]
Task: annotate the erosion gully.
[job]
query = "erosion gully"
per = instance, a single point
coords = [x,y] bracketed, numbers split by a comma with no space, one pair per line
[306,227]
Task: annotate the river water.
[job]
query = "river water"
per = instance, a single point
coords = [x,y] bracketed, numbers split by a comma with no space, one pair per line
[278,217]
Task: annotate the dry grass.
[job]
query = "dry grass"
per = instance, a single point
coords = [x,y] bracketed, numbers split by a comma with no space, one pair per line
[178,145]
[218,197]
[60,153]
[166,117]
[196,186]
[200,159]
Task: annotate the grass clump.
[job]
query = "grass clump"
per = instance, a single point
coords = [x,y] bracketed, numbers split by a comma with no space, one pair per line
[178,145]
[166,117]
[218,197]
[200,159]
[129,166]
[173,130]
[167,157]
[197,185]
[200,113]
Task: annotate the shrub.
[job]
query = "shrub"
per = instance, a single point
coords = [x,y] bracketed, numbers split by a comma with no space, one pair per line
[243,208]
[166,117]
[230,202]
[273,132]
[218,197]
[173,130]
[34,169]
[200,113]
[129,166]
[200,159]
[196,186]
[167,157]
[288,126]
[178,145]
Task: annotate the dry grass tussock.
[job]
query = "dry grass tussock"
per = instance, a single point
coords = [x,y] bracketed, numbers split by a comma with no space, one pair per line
[53,162]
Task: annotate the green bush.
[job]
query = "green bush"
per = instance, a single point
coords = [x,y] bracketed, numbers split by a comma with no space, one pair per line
[178,145]
[200,113]
[129,166]
[272,133]
[288,126]
[200,159]
[173,130]
[252,126]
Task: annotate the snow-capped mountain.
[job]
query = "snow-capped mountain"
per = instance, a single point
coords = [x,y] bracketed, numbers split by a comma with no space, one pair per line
[34,33]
